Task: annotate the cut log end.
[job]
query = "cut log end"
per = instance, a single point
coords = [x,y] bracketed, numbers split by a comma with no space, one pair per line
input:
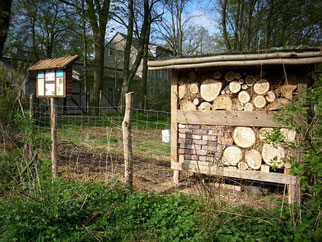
[244,97]
[234,86]
[232,155]
[187,105]
[244,137]
[261,87]
[194,89]
[210,89]
[242,166]
[248,107]
[270,96]
[217,75]
[250,80]
[229,76]
[254,159]
[205,106]
[259,101]
[273,156]
[223,102]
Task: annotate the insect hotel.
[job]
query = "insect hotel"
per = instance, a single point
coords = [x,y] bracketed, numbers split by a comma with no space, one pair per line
[222,108]
[54,77]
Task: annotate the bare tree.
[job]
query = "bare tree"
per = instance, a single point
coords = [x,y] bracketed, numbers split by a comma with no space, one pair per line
[5,14]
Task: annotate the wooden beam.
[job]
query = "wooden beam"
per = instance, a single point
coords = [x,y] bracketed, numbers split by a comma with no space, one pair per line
[240,57]
[242,63]
[228,172]
[235,118]
[174,123]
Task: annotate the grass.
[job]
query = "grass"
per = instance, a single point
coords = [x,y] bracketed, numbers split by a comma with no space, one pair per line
[91,132]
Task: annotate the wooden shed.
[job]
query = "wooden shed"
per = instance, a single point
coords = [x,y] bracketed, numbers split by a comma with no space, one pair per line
[223,105]
[54,76]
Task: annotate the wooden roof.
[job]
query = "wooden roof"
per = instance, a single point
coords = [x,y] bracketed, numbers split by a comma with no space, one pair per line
[289,57]
[53,63]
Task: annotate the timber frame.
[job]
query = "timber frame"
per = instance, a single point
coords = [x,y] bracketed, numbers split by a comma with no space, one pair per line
[305,60]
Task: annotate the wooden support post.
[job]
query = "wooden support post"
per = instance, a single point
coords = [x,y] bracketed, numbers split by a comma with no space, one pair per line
[127,142]
[53,128]
[174,124]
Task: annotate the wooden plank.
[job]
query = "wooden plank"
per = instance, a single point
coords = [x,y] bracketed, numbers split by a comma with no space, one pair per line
[227,172]
[174,124]
[235,118]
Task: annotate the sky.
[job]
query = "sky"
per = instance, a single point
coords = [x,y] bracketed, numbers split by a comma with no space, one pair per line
[201,11]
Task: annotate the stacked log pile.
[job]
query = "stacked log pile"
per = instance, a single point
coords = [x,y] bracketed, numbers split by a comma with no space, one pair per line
[233,91]
[244,148]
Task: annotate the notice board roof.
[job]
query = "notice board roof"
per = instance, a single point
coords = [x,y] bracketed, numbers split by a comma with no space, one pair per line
[53,63]
[287,57]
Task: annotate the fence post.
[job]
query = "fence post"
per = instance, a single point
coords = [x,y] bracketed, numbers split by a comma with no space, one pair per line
[127,142]
[53,129]
[31,116]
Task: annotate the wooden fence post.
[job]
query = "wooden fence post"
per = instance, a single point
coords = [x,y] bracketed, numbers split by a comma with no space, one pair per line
[31,116]
[53,128]
[127,142]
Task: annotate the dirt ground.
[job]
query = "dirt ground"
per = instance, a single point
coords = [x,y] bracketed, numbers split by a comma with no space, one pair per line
[78,162]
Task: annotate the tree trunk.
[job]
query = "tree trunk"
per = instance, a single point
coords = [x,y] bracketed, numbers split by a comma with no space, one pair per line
[127,53]
[85,57]
[225,34]
[5,14]
[145,63]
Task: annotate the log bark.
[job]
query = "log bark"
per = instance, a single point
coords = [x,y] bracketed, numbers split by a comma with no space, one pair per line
[270,96]
[278,104]
[205,106]
[210,89]
[234,86]
[187,105]
[232,155]
[261,87]
[254,159]
[244,97]
[259,101]
[182,91]
[273,156]
[222,102]
[244,137]
[127,140]
[287,91]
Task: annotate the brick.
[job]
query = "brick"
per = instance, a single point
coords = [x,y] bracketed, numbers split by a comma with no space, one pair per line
[184,131]
[202,158]
[200,131]
[209,137]
[190,157]
[190,146]
[193,126]
[210,148]
[199,142]
[212,143]
[196,136]
[225,141]
[181,126]
[201,152]
[215,131]
[184,141]
[183,136]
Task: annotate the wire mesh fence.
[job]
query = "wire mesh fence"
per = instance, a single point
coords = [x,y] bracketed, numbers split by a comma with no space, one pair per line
[90,146]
